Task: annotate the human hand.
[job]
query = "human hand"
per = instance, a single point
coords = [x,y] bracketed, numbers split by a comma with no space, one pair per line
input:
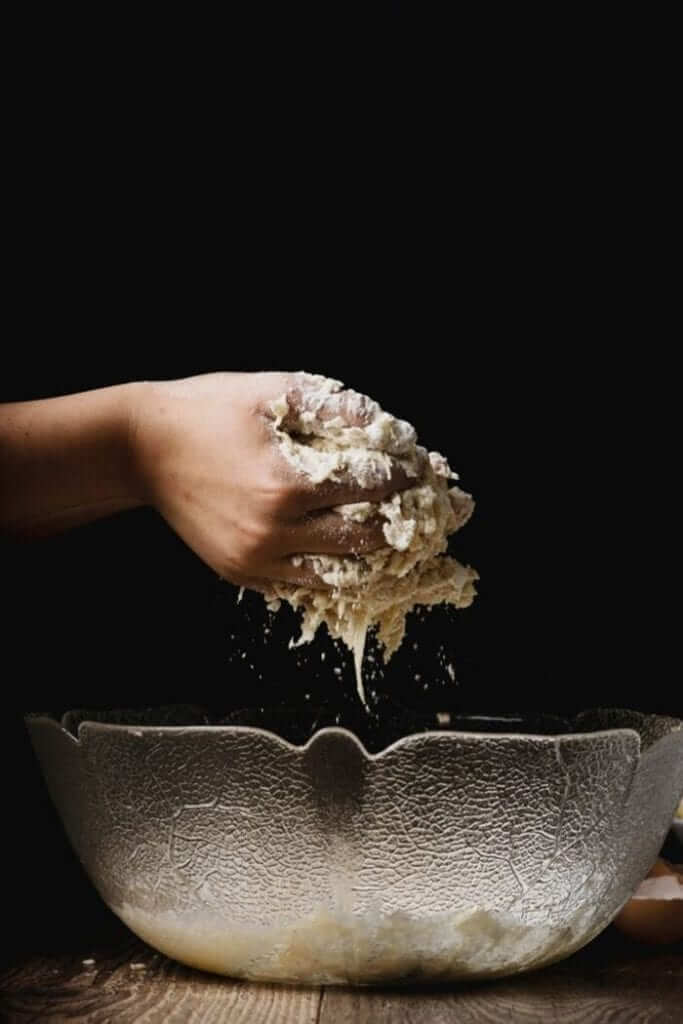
[207,459]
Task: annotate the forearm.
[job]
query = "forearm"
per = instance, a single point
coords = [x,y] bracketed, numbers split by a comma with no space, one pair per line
[66,461]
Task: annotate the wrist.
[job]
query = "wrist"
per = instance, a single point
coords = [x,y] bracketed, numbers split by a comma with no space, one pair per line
[139,399]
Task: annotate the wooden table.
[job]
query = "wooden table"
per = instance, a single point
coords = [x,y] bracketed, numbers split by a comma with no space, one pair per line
[113,978]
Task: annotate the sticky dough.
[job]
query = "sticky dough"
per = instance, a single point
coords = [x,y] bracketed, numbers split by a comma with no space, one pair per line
[381,587]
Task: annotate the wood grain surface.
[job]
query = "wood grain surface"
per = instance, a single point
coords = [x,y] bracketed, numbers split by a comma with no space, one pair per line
[612,981]
[643,992]
[136,984]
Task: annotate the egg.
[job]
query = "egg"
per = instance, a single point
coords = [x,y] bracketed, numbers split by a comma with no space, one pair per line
[655,912]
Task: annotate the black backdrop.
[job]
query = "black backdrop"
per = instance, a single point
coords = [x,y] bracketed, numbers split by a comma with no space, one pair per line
[487,266]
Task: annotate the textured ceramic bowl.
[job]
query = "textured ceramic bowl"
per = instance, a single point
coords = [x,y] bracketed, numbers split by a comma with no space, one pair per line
[447,855]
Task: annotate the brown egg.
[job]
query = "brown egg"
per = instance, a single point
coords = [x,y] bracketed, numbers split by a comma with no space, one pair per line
[655,914]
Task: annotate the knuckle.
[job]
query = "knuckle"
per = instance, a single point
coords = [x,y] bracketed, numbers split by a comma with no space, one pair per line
[282,494]
[255,542]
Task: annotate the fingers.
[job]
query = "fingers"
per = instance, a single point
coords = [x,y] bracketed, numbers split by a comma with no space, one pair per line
[297,571]
[348,491]
[326,533]
[322,408]
[375,479]
[330,533]
[352,408]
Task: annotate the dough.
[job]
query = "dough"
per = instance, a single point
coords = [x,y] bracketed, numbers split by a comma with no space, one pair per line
[336,945]
[380,588]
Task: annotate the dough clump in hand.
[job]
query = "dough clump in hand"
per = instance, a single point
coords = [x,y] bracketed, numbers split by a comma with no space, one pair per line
[375,588]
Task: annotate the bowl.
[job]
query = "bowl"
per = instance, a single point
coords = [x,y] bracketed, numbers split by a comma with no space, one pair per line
[448,854]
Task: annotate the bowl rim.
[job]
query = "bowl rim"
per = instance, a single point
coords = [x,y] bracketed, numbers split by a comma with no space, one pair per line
[441,735]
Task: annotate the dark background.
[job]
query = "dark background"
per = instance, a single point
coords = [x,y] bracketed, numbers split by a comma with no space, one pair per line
[484,255]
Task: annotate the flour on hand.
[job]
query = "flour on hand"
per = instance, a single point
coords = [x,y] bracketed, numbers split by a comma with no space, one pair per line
[328,433]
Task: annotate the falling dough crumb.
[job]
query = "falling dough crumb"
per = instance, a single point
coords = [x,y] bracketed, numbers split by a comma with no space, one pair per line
[381,587]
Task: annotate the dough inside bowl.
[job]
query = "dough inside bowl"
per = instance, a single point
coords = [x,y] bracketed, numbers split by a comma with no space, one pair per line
[334,946]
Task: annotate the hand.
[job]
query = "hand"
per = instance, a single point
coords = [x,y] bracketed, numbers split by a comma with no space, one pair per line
[208,460]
